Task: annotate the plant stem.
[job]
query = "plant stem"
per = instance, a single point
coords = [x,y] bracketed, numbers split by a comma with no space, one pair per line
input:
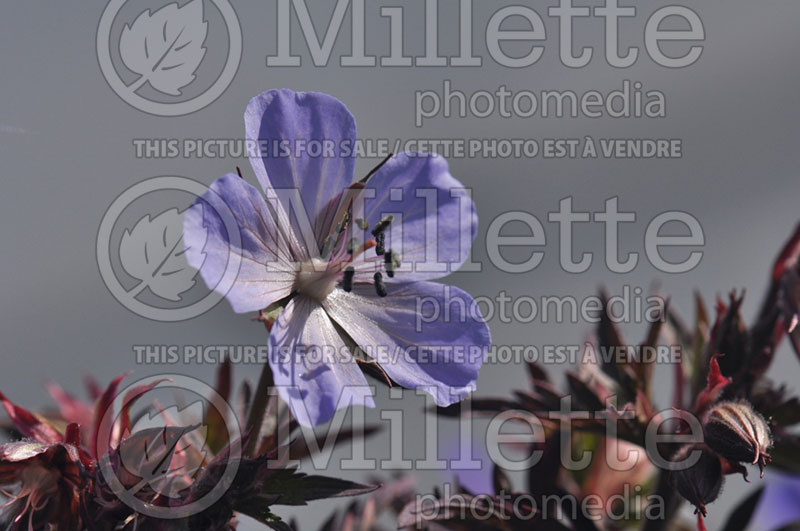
[258,409]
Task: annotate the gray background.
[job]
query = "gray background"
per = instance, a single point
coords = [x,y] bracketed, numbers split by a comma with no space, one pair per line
[66,152]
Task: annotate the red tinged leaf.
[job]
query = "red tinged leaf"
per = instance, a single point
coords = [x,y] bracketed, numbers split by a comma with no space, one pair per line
[28,424]
[715,384]
[151,457]
[217,425]
[93,387]
[73,435]
[103,403]
[715,377]
[71,409]
[791,312]
[789,255]
[731,338]
[130,397]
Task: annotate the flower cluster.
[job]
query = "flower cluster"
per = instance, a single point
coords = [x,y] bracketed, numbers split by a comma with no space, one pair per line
[72,469]
[720,383]
[335,268]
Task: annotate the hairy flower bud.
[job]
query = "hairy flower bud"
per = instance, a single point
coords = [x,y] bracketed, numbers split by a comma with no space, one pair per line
[738,433]
[701,483]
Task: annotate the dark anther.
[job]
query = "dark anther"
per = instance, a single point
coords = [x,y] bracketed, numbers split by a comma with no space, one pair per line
[380,287]
[347,281]
[388,261]
[362,224]
[382,225]
[380,248]
[239,172]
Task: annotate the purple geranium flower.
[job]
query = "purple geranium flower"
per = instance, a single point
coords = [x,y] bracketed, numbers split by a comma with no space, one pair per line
[346,263]
[780,504]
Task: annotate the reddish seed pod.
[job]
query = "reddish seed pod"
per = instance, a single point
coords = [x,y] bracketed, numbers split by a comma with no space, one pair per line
[738,433]
[702,482]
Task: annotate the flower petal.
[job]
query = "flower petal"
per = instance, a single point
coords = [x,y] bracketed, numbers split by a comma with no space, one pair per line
[300,122]
[423,334]
[266,252]
[314,372]
[434,222]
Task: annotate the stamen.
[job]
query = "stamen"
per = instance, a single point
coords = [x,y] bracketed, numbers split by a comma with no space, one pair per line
[380,248]
[351,245]
[362,224]
[347,280]
[396,261]
[364,247]
[376,168]
[345,221]
[388,260]
[341,221]
[382,225]
[239,172]
[327,247]
[380,287]
[340,262]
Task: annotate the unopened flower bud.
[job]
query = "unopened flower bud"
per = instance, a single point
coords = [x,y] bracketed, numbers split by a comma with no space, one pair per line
[701,483]
[738,433]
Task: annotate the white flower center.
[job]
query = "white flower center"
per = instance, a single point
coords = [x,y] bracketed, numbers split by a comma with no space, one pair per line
[315,280]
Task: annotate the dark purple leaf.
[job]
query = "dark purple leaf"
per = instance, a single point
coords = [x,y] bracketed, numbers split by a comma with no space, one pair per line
[740,517]
[289,487]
